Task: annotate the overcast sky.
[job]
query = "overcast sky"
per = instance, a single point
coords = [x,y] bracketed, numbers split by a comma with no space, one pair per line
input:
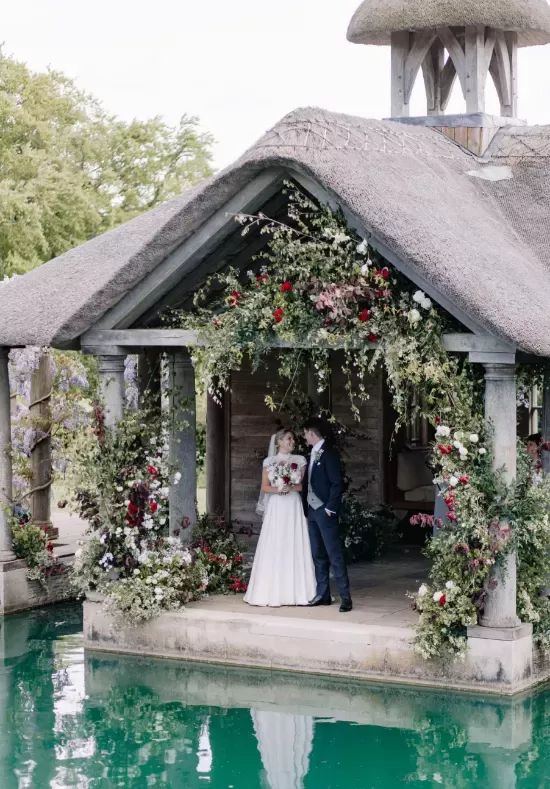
[240,65]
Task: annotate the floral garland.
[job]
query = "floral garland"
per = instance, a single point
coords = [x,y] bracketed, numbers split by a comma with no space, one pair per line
[122,488]
[318,287]
[485,520]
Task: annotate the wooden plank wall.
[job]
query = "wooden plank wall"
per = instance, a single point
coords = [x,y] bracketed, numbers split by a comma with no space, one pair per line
[364,457]
[252,425]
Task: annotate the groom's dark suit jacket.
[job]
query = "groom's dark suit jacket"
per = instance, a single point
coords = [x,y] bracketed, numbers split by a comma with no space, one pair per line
[326,479]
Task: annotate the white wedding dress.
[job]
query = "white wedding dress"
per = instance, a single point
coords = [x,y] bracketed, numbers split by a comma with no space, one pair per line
[283,572]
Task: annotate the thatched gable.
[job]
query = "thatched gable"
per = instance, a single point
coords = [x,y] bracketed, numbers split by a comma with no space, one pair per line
[410,187]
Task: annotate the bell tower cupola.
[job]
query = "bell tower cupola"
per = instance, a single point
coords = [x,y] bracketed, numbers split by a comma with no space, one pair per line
[464,41]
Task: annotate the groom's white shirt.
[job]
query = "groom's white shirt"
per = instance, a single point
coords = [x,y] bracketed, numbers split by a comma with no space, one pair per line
[315,449]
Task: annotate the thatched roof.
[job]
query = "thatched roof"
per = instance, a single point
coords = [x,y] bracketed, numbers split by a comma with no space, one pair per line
[483,244]
[375,20]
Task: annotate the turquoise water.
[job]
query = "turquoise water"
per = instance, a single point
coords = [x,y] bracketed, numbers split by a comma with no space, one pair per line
[99,721]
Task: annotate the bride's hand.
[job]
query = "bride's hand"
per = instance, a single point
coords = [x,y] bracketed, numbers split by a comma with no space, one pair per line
[285,489]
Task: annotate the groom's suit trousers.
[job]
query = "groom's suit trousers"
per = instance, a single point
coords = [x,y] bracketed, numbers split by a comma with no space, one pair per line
[326,548]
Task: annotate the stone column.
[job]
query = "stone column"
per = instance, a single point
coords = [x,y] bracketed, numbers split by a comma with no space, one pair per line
[111,377]
[215,455]
[183,444]
[6,552]
[500,412]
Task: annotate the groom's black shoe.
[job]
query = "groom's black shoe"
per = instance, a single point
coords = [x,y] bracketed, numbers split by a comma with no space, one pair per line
[346,605]
[318,600]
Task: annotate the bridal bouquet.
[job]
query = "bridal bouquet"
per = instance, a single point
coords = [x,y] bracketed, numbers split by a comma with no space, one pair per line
[284,472]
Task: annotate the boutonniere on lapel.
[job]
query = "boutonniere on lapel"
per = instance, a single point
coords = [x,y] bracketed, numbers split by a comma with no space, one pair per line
[317,456]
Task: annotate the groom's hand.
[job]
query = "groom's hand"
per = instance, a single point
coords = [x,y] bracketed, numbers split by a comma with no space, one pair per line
[329,513]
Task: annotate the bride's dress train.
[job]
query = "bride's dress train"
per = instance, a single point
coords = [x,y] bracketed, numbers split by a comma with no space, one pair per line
[283,571]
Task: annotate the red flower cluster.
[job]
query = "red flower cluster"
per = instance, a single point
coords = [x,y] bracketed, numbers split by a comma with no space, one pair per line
[442,600]
[464,479]
[237,585]
[49,547]
[286,287]
[235,298]
[293,466]
[383,272]
[152,471]
[445,449]
[262,278]
[133,516]
[364,316]
[373,338]
[278,315]
[154,506]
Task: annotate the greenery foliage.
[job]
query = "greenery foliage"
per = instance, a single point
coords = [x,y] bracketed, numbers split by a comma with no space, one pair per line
[366,534]
[30,542]
[69,171]
[124,481]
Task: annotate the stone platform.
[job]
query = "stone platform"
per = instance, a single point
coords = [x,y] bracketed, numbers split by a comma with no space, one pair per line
[373,642]
[17,593]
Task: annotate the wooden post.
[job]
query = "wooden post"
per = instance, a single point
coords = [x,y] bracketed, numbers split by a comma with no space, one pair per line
[501,414]
[6,546]
[511,111]
[215,455]
[476,73]
[111,378]
[41,450]
[400,47]
[183,445]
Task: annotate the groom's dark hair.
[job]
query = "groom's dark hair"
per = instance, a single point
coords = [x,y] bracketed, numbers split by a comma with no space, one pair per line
[316,425]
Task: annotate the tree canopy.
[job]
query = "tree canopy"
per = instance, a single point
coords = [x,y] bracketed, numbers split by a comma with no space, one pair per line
[69,170]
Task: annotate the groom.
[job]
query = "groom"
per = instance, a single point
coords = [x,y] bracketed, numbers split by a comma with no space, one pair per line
[322,494]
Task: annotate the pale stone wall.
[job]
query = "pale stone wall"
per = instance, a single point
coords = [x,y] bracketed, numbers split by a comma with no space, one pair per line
[347,649]
[17,593]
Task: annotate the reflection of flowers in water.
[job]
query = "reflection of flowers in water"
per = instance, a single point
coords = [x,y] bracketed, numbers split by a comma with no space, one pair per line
[285,743]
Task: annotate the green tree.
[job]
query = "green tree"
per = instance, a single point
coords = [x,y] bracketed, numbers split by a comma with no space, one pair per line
[69,171]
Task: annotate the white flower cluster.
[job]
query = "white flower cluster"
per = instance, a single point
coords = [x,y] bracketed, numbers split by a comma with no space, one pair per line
[442,431]
[421,299]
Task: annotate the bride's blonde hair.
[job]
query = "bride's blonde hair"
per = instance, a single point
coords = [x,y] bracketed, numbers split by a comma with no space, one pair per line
[280,434]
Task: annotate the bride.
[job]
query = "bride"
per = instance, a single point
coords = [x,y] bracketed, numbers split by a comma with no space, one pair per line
[283,572]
